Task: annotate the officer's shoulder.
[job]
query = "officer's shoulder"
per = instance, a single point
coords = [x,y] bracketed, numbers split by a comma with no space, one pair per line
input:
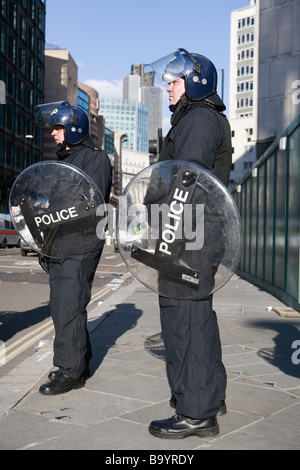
[97,149]
[202,113]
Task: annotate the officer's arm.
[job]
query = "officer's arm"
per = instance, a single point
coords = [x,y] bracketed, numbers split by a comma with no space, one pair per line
[98,167]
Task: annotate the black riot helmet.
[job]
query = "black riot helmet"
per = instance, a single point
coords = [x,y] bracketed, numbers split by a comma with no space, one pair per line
[74,120]
[198,71]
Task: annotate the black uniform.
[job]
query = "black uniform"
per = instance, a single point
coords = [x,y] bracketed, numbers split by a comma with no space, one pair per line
[199,134]
[71,277]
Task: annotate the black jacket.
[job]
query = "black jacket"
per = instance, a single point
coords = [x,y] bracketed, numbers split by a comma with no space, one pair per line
[93,161]
[200,134]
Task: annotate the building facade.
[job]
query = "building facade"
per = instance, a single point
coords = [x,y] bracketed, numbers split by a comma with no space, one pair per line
[152,96]
[60,85]
[88,100]
[22,43]
[243,101]
[279,67]
[265,102]
[128,117]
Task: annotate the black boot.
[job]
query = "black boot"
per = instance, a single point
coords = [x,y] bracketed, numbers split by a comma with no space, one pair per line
[61,384]
[55,373]
[180,426]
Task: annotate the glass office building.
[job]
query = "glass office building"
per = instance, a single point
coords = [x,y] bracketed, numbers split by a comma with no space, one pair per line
[22,44]
[129,117]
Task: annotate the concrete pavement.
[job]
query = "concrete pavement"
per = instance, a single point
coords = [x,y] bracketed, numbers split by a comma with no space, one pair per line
[128,387]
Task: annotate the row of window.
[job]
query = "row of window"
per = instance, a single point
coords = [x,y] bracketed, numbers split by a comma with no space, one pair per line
[29,68]
[14,156]
[244,103]
[246,22]
[248,131]
[245,70]
[244,86]
[9,11]
[19,123]
[20,91]
[249,37]
[245,54]
[10,47]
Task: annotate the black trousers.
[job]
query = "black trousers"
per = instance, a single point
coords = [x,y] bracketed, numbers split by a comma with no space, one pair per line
[193,356]
[70,292]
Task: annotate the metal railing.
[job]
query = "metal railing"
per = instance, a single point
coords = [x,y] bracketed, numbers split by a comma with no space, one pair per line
[268,198]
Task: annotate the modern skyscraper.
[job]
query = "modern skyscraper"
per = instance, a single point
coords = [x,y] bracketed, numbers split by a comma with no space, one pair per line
[152,96]
[22,39]
[128,117]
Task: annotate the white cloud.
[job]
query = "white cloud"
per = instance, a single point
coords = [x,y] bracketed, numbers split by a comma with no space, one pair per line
[107,89]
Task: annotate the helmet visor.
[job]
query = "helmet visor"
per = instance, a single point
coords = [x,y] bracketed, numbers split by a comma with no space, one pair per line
[168,68]
[43,112]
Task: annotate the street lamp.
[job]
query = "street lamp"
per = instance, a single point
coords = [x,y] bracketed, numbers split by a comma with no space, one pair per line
[120,138]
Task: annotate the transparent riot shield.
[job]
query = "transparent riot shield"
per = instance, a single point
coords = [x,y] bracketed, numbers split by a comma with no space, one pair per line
[179,230]
[54,206]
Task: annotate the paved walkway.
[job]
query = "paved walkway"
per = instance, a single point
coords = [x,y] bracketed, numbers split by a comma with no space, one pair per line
[128,387]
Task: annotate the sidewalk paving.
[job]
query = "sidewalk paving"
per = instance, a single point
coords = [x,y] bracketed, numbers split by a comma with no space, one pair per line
[129,388]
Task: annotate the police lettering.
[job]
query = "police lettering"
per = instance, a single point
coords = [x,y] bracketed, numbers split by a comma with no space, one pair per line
[55,217]
[176,210]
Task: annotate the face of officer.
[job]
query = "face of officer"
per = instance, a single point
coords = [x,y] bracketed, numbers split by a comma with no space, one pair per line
[58,135]
[176,89]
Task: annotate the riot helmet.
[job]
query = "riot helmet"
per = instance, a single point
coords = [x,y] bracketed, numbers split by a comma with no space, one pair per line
[199,73]
[73,119]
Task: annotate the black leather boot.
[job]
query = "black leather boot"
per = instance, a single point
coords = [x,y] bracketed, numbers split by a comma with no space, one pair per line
[55,373]
[61,384]
[179,426]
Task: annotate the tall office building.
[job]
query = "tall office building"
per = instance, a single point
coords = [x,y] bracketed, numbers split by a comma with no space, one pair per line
[60,84]
[22,40]
[132,88]
[152,96]
[128,117]
[243,105]
[88,100]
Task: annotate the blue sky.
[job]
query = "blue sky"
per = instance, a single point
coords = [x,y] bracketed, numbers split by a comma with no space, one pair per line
[105,37]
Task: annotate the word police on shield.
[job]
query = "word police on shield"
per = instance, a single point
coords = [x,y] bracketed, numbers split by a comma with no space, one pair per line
[53,207]
[181,231]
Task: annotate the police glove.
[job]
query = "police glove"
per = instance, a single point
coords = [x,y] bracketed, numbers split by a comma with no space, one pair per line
[44,262]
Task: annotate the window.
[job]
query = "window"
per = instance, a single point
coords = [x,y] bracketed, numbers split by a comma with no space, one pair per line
[247,165]
[24,29]
[3,40]
[3,8]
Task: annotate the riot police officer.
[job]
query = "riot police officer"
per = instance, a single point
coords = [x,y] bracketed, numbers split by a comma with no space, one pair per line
[71,277]
[200,134]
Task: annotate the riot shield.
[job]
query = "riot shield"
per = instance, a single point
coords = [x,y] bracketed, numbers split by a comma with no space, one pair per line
[54,206]
[179,230]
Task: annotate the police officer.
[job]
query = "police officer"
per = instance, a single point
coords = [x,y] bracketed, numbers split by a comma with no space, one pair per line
[71,277]
[200,134]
